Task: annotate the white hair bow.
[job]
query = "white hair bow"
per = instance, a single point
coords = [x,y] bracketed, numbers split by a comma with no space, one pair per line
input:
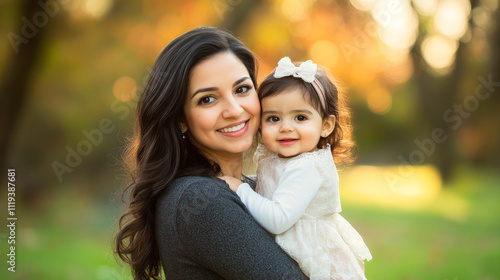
[305,71]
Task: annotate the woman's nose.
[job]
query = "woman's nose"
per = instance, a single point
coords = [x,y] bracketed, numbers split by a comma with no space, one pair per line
[232,108]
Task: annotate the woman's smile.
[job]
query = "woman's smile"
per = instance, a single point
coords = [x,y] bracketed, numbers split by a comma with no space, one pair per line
[234,130]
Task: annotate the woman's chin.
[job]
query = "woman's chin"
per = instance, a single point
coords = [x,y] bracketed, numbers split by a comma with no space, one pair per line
[240,147]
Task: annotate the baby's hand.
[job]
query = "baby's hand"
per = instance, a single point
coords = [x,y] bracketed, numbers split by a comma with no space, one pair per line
[232,182]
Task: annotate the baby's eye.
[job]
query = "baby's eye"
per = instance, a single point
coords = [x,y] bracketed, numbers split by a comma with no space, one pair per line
[243,89]
[301,118]
[206,100]
[273,119]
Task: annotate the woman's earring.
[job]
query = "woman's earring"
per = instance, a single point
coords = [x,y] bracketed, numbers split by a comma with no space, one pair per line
[183,131]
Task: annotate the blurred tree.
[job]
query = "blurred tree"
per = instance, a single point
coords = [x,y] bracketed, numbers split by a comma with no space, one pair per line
[26,50]
[495,46]
[495,72]
[235,13]
[437,93]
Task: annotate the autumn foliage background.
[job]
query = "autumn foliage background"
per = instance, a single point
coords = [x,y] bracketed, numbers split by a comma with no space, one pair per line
[423,81]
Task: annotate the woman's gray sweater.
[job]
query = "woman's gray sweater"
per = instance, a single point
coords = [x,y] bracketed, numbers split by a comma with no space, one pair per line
[204,231]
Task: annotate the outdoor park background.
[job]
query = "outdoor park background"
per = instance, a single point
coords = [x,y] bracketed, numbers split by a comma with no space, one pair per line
[422,78]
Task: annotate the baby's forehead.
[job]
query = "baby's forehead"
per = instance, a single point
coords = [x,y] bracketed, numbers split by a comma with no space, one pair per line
[288,100]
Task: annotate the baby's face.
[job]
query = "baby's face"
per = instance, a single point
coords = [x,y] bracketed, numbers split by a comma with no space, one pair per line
[290,125]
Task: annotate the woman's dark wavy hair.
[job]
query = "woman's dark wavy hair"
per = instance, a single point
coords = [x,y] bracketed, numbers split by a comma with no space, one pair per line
[157,154]
[340,139]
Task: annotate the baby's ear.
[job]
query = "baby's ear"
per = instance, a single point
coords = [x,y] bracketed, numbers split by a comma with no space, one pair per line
[328,126]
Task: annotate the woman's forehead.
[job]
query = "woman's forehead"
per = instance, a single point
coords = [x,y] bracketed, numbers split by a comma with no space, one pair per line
[222,69]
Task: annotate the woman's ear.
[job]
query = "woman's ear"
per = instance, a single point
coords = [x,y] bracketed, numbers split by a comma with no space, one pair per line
[328,126]
[183,126]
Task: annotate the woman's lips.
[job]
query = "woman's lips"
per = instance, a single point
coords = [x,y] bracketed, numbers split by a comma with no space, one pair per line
[234,130]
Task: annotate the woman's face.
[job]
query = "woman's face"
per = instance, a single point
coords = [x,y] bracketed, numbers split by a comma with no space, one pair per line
[222,110]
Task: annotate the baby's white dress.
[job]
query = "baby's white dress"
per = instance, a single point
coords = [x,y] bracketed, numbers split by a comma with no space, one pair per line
[299,202]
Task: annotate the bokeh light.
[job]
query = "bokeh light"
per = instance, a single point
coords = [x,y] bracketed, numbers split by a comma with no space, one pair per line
[379,101]
[451,18]
[398,23]
[124,89]
[439,51]
[425,7]
[399,69]
[295,10]
[364,5]
[480,16]
[81,9]
[97,8]
[324,53]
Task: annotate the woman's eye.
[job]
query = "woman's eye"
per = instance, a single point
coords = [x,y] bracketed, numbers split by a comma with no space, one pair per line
[273,119]
[301,118]
[243,89]
[206,100]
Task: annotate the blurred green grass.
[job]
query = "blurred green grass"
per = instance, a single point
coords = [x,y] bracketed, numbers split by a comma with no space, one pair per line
[426,245]
[71,238]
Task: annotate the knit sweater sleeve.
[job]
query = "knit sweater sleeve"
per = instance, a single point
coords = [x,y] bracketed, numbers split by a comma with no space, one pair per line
[218,233]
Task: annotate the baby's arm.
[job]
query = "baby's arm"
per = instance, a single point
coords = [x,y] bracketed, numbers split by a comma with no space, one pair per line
[296,188]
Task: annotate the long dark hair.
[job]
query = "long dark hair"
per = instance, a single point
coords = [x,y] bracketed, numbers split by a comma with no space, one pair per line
[340,139]
[158,153]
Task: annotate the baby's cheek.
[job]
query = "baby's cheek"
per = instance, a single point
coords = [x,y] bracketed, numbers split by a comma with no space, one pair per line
[311,134]
[267,134]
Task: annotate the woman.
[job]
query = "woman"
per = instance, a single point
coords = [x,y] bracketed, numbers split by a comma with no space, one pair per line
[197,115]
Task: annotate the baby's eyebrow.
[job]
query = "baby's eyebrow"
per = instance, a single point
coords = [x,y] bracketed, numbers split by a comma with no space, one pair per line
[302,111]
[293,111]
[270,112]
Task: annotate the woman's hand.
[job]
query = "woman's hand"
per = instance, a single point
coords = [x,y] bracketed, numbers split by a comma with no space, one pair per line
[232,182]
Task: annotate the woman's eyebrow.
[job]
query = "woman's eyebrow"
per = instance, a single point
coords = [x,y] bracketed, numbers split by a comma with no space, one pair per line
[240,80]
[215,88]
[203,90]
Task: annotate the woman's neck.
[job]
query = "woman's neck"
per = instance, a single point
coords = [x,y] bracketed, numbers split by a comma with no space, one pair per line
[229,163]
[231,167]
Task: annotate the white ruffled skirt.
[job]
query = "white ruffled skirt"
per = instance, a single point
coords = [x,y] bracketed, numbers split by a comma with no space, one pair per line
[326,248]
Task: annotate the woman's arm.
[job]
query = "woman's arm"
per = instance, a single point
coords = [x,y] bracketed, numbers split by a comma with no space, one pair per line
[296,188]
[218,233]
